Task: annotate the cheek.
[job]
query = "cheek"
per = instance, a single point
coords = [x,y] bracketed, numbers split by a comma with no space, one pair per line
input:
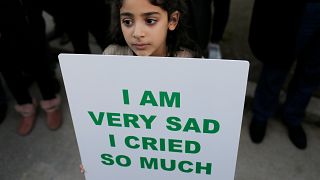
[161,34]
[125,31]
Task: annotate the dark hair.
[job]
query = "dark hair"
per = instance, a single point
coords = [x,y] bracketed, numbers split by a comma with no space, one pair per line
[176,39]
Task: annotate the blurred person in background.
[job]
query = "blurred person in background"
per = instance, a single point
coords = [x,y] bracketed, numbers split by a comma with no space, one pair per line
[78,18]
[279,35]
[207,28]
[23,52]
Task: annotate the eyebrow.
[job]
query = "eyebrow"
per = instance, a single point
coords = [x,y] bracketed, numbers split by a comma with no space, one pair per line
[144,14]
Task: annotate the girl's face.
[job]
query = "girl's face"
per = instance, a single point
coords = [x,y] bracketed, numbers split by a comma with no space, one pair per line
[145,26]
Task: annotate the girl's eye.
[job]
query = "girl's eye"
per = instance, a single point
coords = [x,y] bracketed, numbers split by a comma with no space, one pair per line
[151,21]
[127,22]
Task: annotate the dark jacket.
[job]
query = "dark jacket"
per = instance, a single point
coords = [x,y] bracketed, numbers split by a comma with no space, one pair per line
[273,29]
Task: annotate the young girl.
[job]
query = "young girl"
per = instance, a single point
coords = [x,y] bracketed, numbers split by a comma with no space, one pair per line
[151,28]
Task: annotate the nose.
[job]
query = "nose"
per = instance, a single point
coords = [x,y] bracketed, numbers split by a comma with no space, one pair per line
[138,31]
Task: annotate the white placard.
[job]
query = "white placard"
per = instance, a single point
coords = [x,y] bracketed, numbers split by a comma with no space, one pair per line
[145,118]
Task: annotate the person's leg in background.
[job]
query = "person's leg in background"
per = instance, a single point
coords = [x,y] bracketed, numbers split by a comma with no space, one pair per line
[219,23]
[306,77]
[201,22]
[39,66]
[266,98]
[209,30]
[13,48]
[73,17]
[99,22]
[52,7]
[26,105]
[24,48]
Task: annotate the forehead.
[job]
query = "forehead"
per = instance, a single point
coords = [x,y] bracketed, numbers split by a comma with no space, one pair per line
[139,7]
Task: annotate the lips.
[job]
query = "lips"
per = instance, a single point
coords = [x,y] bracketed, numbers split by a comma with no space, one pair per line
[140,46]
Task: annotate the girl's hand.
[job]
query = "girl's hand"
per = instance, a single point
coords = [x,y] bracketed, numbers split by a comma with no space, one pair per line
[82,169]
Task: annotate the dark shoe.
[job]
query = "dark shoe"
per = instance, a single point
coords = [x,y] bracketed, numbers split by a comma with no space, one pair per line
[257,131]
[297,136]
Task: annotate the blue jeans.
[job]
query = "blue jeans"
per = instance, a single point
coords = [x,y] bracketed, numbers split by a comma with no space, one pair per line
[306,77]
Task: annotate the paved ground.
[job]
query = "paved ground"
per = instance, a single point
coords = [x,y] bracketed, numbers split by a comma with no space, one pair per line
[54,155]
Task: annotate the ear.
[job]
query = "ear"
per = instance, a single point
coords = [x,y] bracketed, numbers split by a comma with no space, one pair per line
[173,20]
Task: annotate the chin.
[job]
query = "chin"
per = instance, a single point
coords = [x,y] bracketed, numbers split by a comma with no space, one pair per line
[141,53]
